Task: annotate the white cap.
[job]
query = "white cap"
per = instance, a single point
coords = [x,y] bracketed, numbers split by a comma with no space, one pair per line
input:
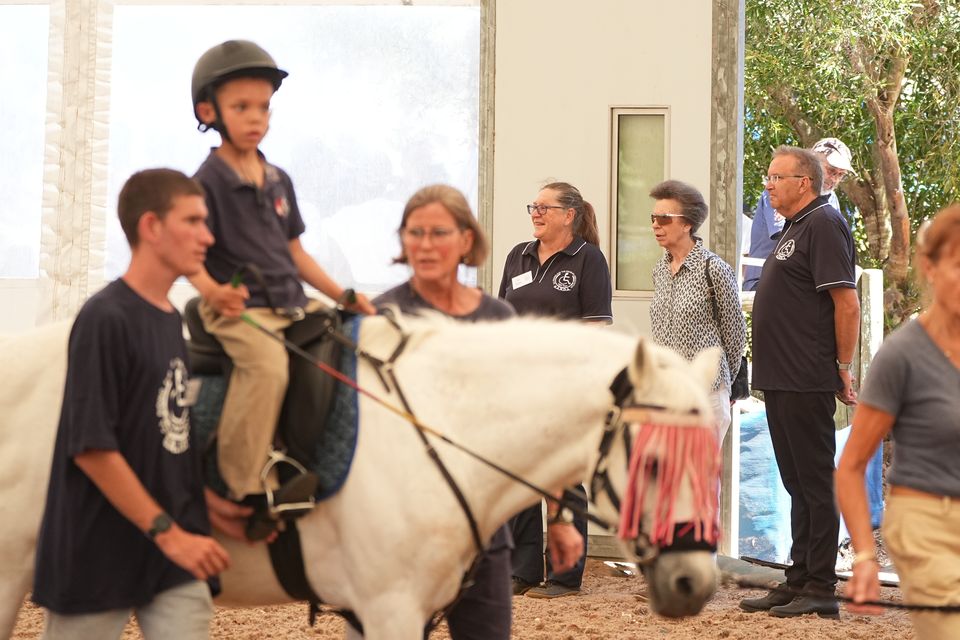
[836,153]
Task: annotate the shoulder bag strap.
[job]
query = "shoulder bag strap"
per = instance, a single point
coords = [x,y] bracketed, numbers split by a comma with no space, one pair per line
[710,292]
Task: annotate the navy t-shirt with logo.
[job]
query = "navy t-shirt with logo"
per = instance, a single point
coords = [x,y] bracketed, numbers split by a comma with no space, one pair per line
[253,225]
[127,390]
[794,337]
[573,283]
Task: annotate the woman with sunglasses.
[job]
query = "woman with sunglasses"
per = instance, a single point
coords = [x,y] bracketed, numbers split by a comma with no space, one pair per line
[682,312]
[560,273]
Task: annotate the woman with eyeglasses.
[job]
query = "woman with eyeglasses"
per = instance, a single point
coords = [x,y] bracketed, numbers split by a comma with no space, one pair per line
[560,273]
[438,233]
[682,314]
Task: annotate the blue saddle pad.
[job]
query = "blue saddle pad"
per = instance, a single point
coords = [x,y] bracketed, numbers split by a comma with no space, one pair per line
[337,433]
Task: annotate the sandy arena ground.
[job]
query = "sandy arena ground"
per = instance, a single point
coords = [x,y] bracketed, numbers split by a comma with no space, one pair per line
[610,607]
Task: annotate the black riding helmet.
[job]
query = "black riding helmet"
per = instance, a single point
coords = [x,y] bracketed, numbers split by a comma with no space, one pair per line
[226,61]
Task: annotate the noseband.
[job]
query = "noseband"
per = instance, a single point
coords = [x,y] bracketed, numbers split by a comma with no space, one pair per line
[684,536]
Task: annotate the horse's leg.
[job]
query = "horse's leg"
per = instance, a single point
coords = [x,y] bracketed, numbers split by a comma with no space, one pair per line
[393,617]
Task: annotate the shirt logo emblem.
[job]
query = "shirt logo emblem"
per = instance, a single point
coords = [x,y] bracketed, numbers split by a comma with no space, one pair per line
[786,250]
[172,408]
[564,280]
[282,206]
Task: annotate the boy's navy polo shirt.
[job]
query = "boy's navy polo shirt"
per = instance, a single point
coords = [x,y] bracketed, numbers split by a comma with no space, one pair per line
[794,336]
[573,283]
[253,225]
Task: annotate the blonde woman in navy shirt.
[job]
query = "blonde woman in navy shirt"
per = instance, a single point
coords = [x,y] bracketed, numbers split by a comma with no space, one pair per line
[560,273]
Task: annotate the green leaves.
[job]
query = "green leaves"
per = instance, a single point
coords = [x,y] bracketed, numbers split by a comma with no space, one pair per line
[816,68]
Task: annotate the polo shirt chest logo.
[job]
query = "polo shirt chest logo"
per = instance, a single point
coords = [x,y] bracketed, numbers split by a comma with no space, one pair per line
[564,280]
[786,250]
[173,408]
[282,206]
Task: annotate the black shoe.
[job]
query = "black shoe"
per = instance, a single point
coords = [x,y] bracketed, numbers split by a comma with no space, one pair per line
[521,586]
[777,597]
[802,605]
[552,590]
[295,497]
[259,525]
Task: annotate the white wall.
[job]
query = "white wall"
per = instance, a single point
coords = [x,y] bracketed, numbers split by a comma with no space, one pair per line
[560,66]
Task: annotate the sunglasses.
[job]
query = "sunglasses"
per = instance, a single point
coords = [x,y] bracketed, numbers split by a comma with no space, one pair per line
[663,219]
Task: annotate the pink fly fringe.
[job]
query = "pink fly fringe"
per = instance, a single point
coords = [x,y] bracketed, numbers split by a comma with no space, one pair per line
[677,450]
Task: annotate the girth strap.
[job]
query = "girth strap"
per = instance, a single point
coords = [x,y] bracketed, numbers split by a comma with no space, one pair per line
[286,556]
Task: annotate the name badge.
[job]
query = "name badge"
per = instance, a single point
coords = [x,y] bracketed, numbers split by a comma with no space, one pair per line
[192,392]
[522,280]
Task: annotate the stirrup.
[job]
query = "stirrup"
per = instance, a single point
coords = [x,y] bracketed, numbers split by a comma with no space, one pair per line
[288,510]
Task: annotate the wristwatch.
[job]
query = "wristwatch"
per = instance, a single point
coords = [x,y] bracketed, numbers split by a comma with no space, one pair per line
[843,366]
[161,523]
[562,516]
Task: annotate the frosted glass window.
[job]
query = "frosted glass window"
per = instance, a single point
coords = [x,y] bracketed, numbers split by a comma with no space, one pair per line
[380,101]
[640,164]
[23,108]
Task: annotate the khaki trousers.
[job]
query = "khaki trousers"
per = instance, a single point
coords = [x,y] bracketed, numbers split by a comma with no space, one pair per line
[923,537]
[255,394]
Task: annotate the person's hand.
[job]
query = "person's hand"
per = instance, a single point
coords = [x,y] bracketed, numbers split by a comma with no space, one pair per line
[201,556]
[847,395]
[229,518]
[864,586]
[229,301]
[362,305]
[565,545]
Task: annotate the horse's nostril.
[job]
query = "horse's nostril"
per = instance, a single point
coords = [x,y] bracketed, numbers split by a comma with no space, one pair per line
[684,585]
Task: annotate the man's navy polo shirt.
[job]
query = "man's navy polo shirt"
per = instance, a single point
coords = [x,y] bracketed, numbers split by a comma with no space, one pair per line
[253,225]
[574,282]
[794,337]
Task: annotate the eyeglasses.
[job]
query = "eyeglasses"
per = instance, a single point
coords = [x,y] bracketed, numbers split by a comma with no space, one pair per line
[663,219]
[775,178]
[541,209]
[437,234]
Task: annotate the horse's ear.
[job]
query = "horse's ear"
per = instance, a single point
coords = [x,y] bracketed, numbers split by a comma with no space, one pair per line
[706,364]
[641,366]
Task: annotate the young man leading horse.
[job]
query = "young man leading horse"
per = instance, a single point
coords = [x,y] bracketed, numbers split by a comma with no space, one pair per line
[125,525]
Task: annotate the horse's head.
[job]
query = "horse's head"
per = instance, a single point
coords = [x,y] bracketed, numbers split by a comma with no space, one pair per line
[659,469]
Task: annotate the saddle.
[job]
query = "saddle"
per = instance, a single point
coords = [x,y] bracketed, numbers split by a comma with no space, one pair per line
[310,392]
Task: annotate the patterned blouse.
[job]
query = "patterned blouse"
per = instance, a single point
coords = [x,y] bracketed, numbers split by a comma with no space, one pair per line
[682,316]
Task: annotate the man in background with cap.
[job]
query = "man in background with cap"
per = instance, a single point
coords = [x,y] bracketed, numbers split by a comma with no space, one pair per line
[767,224]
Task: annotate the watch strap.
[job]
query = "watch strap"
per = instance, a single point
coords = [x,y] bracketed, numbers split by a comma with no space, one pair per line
[160,524]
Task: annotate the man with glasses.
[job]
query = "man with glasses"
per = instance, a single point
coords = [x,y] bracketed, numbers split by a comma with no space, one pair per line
[806,320]
[767,224]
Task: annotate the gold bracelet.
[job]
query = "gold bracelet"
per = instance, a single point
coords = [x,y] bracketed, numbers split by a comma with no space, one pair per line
[864,556]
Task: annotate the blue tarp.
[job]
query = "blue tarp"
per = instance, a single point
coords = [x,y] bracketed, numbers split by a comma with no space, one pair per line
[765,504]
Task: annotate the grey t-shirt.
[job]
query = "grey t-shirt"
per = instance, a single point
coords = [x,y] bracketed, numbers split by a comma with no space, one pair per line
[914,381]
[409,301]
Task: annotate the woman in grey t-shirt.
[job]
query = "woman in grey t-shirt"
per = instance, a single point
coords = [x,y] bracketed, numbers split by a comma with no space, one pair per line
[438,233]
[913,389]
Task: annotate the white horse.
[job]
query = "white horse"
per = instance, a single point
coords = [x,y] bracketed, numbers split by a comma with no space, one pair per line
[392,545]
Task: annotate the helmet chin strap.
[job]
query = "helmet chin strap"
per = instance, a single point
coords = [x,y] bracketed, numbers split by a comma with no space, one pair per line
[218,124]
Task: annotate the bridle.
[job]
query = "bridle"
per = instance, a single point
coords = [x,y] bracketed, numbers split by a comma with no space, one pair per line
[622,414]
